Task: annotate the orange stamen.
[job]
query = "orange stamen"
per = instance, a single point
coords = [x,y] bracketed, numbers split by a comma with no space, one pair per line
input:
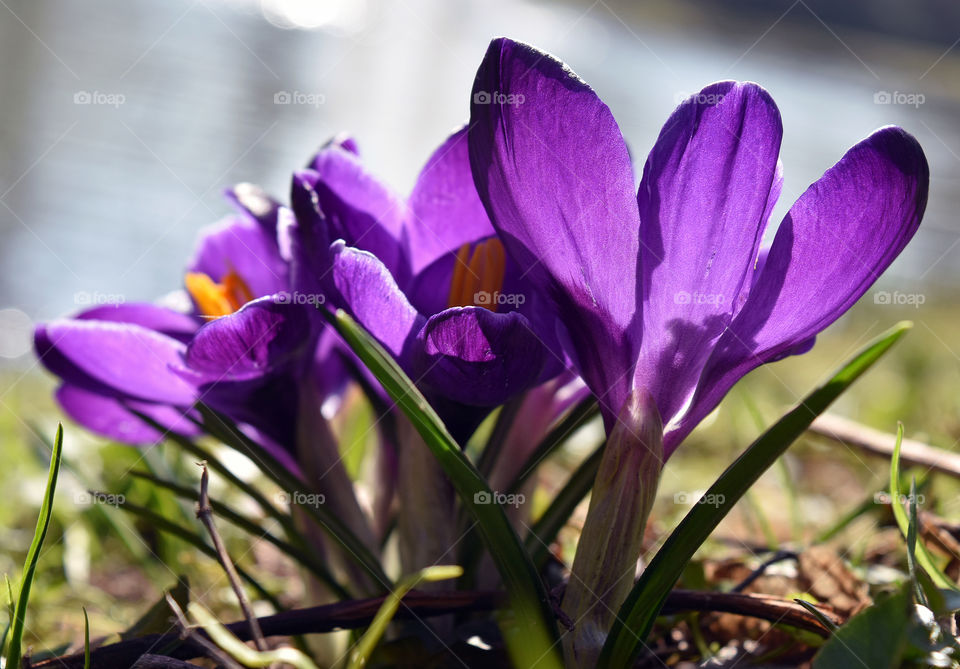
[215,300]
[456,283]
[478,275]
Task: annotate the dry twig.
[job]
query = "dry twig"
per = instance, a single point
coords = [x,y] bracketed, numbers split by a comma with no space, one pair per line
[205,514]
[876,442]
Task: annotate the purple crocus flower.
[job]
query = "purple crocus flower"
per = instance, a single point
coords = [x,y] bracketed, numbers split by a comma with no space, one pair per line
[663,290]
[666,298]
[240,350]
[425,275]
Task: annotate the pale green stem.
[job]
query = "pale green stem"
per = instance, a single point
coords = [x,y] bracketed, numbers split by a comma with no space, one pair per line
[427,521]
[605,563]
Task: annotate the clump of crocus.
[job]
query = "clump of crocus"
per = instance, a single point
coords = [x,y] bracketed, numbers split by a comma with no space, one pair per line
[427,276]
[666,297]
[247,347]
[234,348]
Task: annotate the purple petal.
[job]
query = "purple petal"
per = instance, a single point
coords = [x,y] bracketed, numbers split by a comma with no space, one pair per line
[429,290]
[111,418]
[166,321]
[553,171]
[115,359]
[704,201]
[834,243]
[329,370]
[341,141]
[370,294]
[242,245]
[477,357]
[304,237]
[445,210]
[259,339]
[358,208]
[540,408]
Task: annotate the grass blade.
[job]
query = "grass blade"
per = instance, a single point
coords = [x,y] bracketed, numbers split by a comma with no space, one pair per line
[163,524]
[636,616]
[533,642]
[86,639]
[304,557]
[824,620]
[14,649]
[498,437]
[11,611]
[575,418]
[561,508]
[923,556]
[214,463]
[361,653]
[220,427]
[241,652]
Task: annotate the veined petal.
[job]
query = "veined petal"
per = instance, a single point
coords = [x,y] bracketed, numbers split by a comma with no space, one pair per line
[304,237]
[111,418]
[370,294]
[241,245]
[552,169]
[704,201]
[115,359]
[166,321]
[359,208]
[834,243]
[477,357]
[445,210]
[259,339]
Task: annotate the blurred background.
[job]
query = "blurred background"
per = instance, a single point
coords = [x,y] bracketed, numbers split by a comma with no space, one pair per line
[121,122]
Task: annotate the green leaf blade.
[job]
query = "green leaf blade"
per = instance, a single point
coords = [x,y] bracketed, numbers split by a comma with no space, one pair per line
[364,649]
[14,649]
[536,634]
[876,637]
[917,550]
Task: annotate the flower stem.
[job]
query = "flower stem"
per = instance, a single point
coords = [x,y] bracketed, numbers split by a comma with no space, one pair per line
[610,544]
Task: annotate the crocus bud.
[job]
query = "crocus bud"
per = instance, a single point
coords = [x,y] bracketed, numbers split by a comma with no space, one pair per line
[606,561]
